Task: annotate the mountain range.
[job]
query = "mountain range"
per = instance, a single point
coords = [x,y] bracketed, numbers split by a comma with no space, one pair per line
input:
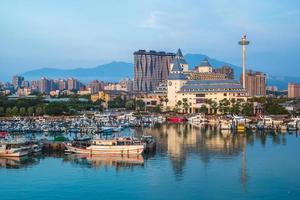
[115,71]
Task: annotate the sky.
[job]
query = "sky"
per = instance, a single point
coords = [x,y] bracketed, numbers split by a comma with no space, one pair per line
[87,33]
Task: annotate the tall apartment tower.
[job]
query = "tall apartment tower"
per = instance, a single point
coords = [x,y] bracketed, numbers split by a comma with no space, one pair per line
[73,84]
[17,81]
[150,68]
[293,90]
[255,83]
[44,85]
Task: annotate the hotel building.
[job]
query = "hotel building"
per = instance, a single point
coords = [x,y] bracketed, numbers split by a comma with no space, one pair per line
[180,87]
[150,68]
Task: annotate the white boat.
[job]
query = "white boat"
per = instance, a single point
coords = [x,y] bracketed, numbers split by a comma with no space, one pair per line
[266,122]
[36,148]
[294,124]
[199,119]
[118,146]
[226,125]
[14,150]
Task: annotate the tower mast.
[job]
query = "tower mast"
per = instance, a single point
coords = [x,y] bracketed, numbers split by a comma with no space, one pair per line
[244,42]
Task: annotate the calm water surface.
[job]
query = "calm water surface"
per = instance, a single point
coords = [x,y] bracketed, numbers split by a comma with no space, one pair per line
[190,163]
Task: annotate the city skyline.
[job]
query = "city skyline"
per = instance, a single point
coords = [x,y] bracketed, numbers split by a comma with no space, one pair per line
[36,35]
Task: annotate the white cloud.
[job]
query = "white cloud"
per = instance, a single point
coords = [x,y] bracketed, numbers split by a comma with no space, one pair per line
[153,20]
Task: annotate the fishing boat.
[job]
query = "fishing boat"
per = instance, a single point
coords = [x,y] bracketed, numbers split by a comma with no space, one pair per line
[176,119]
[117,146]
[14,149]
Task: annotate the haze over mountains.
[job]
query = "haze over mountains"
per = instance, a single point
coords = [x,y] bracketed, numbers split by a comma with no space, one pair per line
[115,71]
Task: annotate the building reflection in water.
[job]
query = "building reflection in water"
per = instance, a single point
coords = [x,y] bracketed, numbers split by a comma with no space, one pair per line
[119,162]
[177,141]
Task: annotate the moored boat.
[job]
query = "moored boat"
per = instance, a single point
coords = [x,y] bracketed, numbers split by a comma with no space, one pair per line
[176,119]
[118,146]
[14,149]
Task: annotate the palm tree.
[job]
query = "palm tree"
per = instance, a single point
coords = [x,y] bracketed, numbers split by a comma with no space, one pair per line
[214,106]
[224,106]
[178,106]
[209,102]
[185,105]
[166,100]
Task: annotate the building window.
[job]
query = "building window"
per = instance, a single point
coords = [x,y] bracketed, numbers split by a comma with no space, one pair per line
[200,95]
[225,94]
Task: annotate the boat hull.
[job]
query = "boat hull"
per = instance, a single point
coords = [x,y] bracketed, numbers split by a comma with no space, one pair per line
[107,150]
[176,119]
[14,153]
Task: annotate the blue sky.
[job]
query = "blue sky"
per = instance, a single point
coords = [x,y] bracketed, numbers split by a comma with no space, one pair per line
[86,33]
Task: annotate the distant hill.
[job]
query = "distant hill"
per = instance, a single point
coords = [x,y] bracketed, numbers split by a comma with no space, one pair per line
[113,71]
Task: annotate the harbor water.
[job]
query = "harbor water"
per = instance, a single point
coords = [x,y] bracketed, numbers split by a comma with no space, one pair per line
[189,163]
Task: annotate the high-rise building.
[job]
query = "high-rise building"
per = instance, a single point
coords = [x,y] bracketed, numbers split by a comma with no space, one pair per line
[73,84]
[44,85]
[226,70]
[293,90]
[62,84]
[95,86]
[255,83]
[150,68]
[17,81]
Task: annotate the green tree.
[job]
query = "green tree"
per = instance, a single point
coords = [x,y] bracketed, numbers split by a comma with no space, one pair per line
[178,106]
[15,110]
[2,111]
[247,108]
[214,106]
[224,106]
[39,110]
[22,111]
[166,100]
[130,104]
[30,111]
[56,108]
[8,111]
[118,102]
[203,109]
[185,105]
[140,104]
[235,107]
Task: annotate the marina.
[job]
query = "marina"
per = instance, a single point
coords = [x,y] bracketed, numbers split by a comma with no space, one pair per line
[188,157]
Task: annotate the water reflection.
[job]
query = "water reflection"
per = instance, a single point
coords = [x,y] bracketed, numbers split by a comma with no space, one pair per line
[178,141]
[119,162]
[18,162]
